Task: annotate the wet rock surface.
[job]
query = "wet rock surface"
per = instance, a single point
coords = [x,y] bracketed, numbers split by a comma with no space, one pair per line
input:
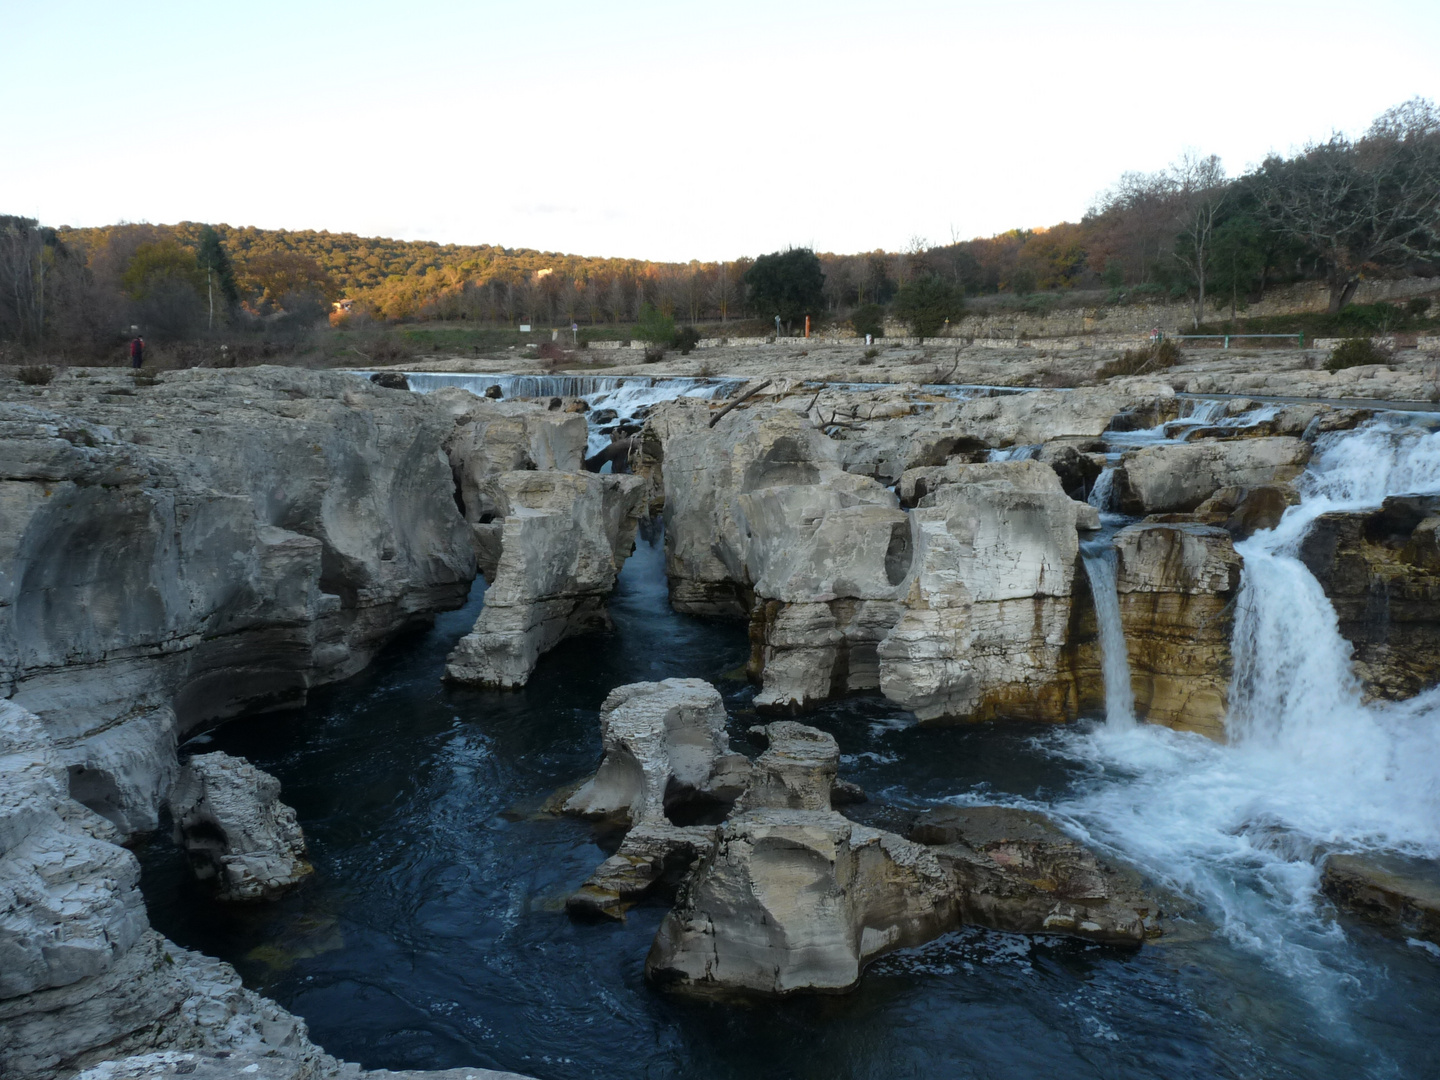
[1178,477]
[1399,893]
[1177,584]
[1381,571]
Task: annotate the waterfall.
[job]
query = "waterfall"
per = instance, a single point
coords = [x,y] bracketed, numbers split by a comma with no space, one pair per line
[1102,495]
[1099,558]
[1310,768]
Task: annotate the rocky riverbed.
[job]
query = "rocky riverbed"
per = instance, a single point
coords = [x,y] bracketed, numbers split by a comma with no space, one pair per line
[190,561]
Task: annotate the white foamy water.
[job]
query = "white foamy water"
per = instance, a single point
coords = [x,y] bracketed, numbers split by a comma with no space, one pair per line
[1241,828]
[1100,561]
[626,396]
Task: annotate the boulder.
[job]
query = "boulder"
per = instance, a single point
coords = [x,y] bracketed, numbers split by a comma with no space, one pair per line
[665,752]
[565,537]
[1180,476]
[667,768]
[238,834]
[796,771]
[796,900]
[1381,571]
[1397,892]
[1176,585]
[1244,511]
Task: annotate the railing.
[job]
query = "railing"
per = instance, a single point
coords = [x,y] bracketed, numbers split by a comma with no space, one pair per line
[1227,337]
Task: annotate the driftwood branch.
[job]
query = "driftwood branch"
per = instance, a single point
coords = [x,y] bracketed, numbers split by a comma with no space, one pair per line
[738,401]
[946,377]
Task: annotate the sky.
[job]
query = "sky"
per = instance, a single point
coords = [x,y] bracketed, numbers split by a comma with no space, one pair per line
[668,131]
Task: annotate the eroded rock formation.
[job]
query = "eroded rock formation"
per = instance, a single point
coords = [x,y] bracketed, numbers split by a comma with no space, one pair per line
[238,834]
[213,544]
[564,539]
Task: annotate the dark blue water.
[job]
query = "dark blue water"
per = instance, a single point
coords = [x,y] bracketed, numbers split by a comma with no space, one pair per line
[433,933]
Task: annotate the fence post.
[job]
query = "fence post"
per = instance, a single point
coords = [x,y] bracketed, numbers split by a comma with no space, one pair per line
[1302,339]
[1227,341]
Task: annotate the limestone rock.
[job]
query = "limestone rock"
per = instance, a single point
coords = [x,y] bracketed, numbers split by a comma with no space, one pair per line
[654,858]
[984,626]
[231,822]
[665,748]
[796,771]
[1181,476]
[798,900]
[565,537]
[216,543]
[1026,419]
[1176,585]
[795,900]
[1397,892]
[1381,571]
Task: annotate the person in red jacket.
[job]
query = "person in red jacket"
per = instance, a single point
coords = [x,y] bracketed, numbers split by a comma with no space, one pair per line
[137,352]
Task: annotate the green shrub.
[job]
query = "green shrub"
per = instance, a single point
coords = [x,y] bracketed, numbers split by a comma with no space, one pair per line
[685,339]
[1417,307]
[35,374]
[655,327]
[1355,352]
[928,303]
[868,319]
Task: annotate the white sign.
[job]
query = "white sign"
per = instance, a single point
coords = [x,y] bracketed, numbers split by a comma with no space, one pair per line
[524,327]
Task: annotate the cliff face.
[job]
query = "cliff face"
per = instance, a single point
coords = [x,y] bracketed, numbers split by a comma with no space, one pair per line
[1381,570]
[215,543]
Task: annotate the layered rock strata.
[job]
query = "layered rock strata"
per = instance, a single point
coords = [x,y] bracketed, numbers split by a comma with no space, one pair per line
[1399,893]
[1177,585]
[183,551]
[1381,571]
[237,833]
[564,539]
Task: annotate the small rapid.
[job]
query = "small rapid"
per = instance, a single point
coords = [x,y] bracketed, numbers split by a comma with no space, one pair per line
[1241,829]
[615,401]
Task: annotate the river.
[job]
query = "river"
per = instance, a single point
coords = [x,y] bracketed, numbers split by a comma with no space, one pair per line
[433,933]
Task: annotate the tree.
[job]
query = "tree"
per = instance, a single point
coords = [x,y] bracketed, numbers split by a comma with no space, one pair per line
[786,283]
[928,303]
[274,277]
[868,319]
[215,261]
[654,327]
[1200,194]
[1366,206]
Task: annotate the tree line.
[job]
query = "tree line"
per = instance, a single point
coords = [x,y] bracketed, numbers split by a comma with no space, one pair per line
[1336,211]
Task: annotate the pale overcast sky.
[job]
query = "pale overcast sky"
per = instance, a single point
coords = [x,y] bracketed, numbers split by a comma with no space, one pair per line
[667,130]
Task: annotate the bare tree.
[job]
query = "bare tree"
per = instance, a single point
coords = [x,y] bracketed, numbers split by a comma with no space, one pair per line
[1200,194]
[1364,206]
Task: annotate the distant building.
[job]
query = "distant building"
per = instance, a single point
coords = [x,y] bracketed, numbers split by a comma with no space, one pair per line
[343,307]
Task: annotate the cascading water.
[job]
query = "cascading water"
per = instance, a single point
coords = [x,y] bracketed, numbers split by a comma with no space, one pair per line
[1103,493]
[1241,828]
[1100,563]
[614,400]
